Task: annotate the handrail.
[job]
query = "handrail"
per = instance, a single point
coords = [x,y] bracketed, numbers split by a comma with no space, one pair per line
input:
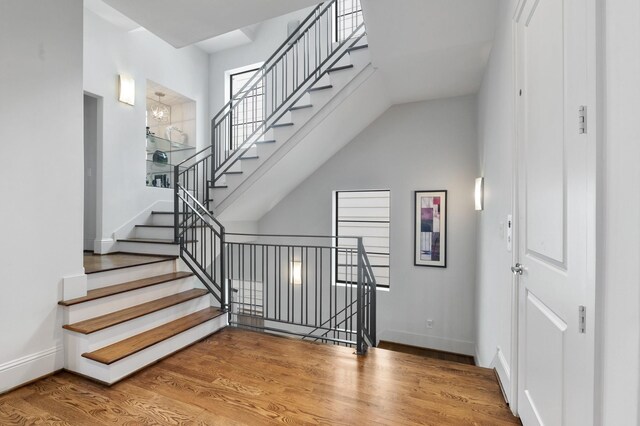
[203,208]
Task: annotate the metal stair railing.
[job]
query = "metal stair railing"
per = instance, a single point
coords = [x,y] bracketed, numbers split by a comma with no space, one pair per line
[304,58]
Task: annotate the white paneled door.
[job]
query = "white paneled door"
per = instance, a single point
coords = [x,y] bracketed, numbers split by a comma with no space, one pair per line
[555,198]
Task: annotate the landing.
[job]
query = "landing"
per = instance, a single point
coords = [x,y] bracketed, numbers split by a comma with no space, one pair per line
[243,377]
[107,262]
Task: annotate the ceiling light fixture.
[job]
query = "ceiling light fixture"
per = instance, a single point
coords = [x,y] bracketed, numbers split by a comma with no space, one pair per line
[160,111]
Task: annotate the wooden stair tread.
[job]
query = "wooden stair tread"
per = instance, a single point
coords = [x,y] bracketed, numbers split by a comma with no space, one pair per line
[126,286]
[124,348]
[326,86]
[340,68]
[165,226]
[151,241]
[298,107]
[282,125]
[114,318]
[362,46]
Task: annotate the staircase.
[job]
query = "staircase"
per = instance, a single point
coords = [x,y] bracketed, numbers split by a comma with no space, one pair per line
[134,315]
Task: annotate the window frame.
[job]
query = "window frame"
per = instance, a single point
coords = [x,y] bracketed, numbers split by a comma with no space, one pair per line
[337,16]
[336,222]
[229,76]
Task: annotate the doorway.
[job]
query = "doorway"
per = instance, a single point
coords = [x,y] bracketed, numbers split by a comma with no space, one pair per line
[92,132]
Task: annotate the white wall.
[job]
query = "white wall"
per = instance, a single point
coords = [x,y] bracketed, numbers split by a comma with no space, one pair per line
[269,35]
[109,51]
[41,179]
[417,146]
[619,247]
[495,138]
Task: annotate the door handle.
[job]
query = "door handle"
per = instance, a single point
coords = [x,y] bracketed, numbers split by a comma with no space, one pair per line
[518,269]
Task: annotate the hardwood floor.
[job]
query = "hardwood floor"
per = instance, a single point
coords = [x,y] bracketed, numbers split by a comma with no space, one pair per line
[429,353]
[238,377]
[97,263]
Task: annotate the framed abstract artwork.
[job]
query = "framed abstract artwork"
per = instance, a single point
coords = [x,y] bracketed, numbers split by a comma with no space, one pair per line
[430,228]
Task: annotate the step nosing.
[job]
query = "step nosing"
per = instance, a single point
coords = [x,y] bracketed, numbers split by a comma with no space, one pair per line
[124,287]
[142,341]
[340,68]
[134,312]
[151,241]
[326,86]
[295,108]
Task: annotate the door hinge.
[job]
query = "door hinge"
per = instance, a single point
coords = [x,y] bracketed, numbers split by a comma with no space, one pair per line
[582,119]
[582,319]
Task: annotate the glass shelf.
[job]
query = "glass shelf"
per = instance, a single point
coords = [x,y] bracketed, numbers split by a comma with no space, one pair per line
[166,154]
[155,143]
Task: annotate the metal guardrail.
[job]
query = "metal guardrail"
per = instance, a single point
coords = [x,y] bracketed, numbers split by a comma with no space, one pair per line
[309,286]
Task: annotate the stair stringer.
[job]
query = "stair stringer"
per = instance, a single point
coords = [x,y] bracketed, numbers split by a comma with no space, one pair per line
[349,112]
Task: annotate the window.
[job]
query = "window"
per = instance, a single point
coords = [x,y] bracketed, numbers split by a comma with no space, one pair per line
[248,114]
[347,15]
[363,214]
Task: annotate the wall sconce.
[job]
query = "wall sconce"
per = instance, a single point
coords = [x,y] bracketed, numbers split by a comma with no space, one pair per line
[479,193]
[296,272]
[126,89]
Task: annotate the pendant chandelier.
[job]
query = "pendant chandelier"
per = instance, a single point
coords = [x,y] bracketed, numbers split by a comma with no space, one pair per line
[160,111]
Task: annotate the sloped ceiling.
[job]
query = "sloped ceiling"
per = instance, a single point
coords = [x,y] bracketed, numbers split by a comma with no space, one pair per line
[429,49]
[185,22]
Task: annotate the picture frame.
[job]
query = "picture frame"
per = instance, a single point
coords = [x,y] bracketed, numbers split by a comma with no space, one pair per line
[430,228]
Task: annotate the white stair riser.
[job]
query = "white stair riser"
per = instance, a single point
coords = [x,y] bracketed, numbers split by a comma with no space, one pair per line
[117,276]
[154,233]
[106,305]
[345,60]
[161,220]
[359,58]
[116,333]
[342,77]
[149,248]
[286,118]
[120,369]
[304,100]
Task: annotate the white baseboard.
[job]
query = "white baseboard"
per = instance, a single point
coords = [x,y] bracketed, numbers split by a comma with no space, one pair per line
[22,370]
[501,366]
[431,342]
[103,246]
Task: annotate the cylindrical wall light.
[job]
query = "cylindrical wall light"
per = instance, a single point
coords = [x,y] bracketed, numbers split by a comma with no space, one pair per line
[296,272]
[479,193]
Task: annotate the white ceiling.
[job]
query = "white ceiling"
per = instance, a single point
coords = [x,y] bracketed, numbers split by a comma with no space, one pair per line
[429,49]
[228,40]
[185,22]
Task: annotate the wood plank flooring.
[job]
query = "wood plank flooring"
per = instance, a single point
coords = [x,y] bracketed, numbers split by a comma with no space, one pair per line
[238,377]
